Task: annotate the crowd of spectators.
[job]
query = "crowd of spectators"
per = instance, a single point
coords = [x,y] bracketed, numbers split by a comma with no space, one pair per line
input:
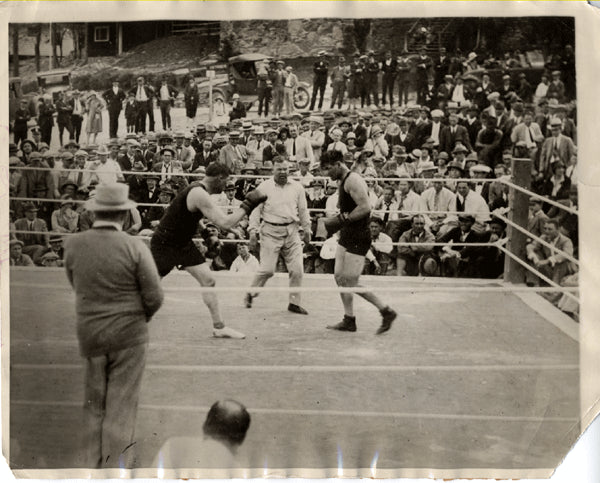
[473,135]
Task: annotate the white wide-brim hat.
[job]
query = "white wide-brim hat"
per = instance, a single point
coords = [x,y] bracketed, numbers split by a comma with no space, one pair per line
[110,197]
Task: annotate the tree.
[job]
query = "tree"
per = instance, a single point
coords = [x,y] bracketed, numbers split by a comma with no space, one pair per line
[362,29]
[15,40]
[38,41]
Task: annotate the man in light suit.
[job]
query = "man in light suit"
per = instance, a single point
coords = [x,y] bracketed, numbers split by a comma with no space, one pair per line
[298,147]
[547,261]
[557,147]
[167,165]
[233,155]
[528,132]
[289,88]
[34,244]
[184,154]
[452,134]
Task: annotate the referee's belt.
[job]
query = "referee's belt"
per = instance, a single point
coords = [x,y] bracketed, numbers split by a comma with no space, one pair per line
[280,224]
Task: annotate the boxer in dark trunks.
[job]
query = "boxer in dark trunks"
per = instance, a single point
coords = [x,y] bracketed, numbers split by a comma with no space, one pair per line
[172,245]
[354,239]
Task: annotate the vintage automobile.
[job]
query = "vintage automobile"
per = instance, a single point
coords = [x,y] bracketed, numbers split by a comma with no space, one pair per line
[241,78]
[54,81]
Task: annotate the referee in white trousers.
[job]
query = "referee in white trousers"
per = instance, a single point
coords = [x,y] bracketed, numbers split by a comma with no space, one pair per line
[283,222]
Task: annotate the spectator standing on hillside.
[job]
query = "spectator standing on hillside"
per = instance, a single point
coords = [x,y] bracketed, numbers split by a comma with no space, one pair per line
[76,114]
[263,87]
[289,88]
[389,67]
[131,113]
[277,79]
[46,112]
[339,76]
[143,95]
[22,116]
[320,69]
[423,65]
[114,98]
[63,117]
[166,94]
[191,98]
[93,124]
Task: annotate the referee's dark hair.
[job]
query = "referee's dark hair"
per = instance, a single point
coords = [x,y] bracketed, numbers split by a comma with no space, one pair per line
[331,157]
[217,169]
[227,421]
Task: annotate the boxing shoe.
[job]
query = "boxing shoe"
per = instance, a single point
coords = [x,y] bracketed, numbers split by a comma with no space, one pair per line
[297,309]
[227,333]
[248,300]
[348,324]
[388,316]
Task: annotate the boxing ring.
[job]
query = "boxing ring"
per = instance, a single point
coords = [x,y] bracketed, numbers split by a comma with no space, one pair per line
[474,374]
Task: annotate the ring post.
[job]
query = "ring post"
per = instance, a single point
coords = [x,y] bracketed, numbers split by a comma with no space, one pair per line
[518,203]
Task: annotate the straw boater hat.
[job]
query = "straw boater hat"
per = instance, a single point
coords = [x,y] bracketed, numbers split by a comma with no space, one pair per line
[103,150]
[110,197]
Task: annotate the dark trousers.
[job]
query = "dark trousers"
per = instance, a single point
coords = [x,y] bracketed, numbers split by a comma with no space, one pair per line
[337,94]
[388,88]
[150,108]
[20,135]
[76,121]
[112,387]
[61,130]
[46,133]
[319,86]
[421,92]
[403,85]
[364,93]
[263,100]
[113,122]
[142,112]
[165,114]
[372,90]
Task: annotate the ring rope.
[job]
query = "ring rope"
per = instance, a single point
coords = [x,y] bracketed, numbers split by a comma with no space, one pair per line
[312,210]
[538,273]
[538,239]
[228,240]
[335,289]
[246,176]
[540,197]
[236,176]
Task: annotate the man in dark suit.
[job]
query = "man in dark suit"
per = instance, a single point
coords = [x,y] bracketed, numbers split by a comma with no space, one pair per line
[389,67]
[137,184]
[320,70]
[359,129]
[114,98]
[472,123]
[406,138]
[143,102]
[452,134]
[205,155]
[423,64]
[442,65]
[460,260]
[483,91]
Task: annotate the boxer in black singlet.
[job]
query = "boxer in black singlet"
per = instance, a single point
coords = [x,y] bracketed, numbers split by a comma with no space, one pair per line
[354,241]
[172,245]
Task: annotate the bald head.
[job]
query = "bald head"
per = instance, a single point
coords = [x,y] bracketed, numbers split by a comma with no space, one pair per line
[227,421]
